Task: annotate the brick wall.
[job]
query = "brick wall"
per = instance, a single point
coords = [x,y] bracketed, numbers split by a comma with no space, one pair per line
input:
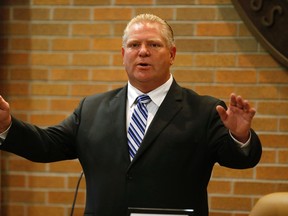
[54,52]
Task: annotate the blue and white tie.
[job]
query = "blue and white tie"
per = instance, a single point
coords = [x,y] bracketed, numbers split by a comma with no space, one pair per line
[137,125]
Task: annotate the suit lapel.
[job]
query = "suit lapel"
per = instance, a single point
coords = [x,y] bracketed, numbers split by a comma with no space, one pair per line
[117,109]
[171,105]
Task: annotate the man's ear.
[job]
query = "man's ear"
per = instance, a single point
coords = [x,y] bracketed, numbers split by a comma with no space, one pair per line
[172,54]
[122,51]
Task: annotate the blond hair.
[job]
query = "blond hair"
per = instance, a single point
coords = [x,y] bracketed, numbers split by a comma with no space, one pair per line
[166,29]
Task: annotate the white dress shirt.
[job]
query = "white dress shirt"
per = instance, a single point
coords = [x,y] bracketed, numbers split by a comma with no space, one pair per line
[157,96]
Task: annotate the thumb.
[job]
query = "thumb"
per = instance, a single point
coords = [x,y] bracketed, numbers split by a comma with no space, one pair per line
[5,117]
[222,112]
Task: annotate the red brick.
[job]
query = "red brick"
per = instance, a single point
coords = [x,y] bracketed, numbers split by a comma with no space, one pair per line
[197,76]
[223,187]
[46,181]
[109,75]
[216,29]
[133,2]
[49,59]
[164,13]
[112,14]
[107,44]
[283,125]
[85,90]
[222,172]
[176,2]
[66,166]
[27,73]
[84,29]
[72,182]
[26,196]
[29,44]
[269,108]
[216,91]
[195,45]
[51,2]
[13,180]
[239,44]
[91,59]
[196,13]
[268,156]
[15,29]
[49,89]
[5,14]
[265,124]
[14,59]
[49,29]
[64,104]
[256,60]
[69,74]
[63,197]
[253,188]
[91,2]
[46,119]
[71,44]
[71,14]
[231,203]
[283,156]
[206,60]
[40,210]
[14,88]
[272,172]
[30,14]
[12,209]
[232,76]
[273,76]
[24,165]
[274,140]
[26,104]
[209,2]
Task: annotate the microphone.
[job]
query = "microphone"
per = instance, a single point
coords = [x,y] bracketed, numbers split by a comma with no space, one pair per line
[76,192]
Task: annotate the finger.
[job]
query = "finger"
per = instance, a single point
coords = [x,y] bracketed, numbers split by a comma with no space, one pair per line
[240,102]
[252,112]
[233,100]
[246,106]
[222,112]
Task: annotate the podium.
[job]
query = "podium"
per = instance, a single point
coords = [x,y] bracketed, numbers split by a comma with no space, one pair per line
[159,212]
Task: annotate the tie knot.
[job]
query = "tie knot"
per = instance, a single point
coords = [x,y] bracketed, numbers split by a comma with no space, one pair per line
[144,99]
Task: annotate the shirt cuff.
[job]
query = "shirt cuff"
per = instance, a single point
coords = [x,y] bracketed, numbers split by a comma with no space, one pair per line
[4,134]
[241,145]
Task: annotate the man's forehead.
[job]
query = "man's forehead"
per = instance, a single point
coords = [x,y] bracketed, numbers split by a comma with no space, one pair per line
[150,31]
[141,25]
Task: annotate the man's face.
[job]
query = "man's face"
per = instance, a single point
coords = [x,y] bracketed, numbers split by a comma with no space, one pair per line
[147,57]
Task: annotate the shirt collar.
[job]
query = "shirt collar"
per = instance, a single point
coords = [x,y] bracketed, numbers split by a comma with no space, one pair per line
[157,95]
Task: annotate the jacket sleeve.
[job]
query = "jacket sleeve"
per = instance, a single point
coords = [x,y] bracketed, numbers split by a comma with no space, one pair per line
[227,152]
[37,144]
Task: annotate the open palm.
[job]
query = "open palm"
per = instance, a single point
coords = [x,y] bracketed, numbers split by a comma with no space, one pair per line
[238,117]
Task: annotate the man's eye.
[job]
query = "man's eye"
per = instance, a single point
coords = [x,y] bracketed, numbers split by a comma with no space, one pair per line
[133,45]
[154,45]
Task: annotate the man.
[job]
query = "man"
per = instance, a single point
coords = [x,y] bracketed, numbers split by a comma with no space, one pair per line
[185,134]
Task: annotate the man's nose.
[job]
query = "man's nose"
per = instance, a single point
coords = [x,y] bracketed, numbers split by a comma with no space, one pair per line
[144,50]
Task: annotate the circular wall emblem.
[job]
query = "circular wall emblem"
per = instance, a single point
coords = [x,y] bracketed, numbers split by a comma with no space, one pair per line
[268,22]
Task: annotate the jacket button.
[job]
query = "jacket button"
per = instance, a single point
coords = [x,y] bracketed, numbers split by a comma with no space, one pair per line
[129,177]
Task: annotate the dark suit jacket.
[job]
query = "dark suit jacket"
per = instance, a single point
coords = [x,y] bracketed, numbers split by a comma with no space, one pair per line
[172,167]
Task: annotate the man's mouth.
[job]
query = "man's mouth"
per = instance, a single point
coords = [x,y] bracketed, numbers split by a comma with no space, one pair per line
[143,64]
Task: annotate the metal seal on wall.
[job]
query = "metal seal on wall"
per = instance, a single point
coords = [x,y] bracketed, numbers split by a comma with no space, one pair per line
[268,22]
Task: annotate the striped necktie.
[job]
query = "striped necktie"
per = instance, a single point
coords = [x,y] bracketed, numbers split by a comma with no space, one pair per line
[137,125]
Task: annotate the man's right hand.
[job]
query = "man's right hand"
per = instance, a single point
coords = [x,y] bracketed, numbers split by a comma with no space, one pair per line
[5,117]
